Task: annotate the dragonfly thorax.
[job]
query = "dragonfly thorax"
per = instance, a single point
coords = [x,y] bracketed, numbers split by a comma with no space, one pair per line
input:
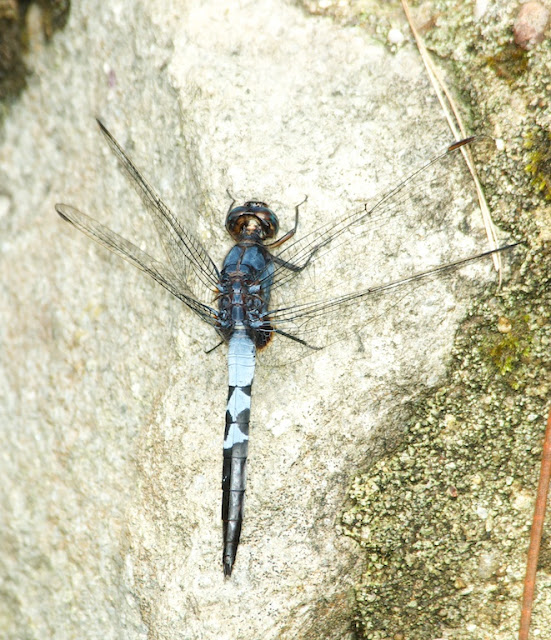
[244,292]
[252,221]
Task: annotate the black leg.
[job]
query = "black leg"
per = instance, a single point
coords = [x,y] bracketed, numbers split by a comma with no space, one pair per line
[291,232]
[299,340]
[287,265]
[208,351]
[233,200]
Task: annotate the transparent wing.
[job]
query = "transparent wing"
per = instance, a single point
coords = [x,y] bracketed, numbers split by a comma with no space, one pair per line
[189,259]
[133,254]
[364,264]
[318,323]
[421,204]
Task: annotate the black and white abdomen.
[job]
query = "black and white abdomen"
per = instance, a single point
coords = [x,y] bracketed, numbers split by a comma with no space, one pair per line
[241,362]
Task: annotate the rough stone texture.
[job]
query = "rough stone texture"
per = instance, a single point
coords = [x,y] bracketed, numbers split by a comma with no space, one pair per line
[112,414]
[530,24]
[445,518]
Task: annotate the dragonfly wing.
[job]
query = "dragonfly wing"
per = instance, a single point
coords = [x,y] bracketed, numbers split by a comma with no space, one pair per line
[186,253]
[307,327]
[374,257]
[133,254]
[413,206]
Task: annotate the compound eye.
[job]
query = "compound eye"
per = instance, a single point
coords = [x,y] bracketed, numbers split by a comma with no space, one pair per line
[267,218]
[235,221]
[269,222]
[238,219]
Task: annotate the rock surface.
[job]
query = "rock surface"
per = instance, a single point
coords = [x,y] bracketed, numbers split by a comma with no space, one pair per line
[112,414]
[530,24]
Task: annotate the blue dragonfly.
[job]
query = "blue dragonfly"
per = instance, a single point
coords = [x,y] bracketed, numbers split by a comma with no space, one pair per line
[237,300]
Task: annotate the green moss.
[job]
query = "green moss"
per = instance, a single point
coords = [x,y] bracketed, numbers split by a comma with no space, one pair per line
[538,143]
[444,519]
[510,63]
[508,350]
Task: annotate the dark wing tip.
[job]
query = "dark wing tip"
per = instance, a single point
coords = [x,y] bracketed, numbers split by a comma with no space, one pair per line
[461,143]
[100,124]
[60,208]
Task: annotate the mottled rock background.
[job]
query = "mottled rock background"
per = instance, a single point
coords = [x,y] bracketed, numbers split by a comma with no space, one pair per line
[111,412]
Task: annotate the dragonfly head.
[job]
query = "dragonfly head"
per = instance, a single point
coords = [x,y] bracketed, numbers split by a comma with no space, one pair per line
[252,220]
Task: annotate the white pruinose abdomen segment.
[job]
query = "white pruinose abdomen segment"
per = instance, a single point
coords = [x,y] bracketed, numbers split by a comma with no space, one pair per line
[241,363]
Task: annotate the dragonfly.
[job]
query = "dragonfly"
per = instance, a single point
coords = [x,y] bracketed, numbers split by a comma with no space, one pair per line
[259,292]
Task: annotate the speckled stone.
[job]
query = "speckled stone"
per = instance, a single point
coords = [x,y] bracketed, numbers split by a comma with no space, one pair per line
[530,24]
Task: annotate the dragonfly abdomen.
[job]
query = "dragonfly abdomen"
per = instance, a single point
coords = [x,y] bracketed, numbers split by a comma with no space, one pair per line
[241,363]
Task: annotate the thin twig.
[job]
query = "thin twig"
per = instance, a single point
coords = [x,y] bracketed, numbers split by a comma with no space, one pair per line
[535,535]
[456,125]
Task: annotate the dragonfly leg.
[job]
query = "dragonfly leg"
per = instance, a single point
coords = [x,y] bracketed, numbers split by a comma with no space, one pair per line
[287,265]
[232,198]
[299,340]
[289,233]
[219,344]
[295,267]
